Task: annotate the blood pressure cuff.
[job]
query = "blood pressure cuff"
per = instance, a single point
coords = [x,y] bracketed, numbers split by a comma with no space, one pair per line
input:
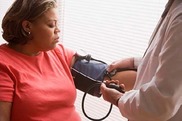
[87,73]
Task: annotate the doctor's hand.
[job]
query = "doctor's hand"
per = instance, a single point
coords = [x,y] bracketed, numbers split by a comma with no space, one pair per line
[111,95]
[123,63]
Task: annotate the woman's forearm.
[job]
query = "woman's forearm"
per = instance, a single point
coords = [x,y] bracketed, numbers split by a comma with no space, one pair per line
[125,77]
[5,111]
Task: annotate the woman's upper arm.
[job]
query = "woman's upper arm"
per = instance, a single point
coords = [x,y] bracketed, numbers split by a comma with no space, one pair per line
[5,111]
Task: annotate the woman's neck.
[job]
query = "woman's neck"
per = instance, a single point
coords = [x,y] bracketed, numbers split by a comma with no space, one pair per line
[24,49]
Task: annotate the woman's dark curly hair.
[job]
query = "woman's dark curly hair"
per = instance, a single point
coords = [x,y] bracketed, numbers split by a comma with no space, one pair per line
[21,10]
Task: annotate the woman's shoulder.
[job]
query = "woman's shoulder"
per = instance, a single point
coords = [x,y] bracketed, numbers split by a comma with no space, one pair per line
[3,51]
[63,50]
[4,55]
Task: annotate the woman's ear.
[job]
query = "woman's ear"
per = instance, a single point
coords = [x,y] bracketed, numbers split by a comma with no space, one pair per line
[26,26]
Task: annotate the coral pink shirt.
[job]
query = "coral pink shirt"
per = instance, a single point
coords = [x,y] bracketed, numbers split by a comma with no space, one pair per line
[40,87]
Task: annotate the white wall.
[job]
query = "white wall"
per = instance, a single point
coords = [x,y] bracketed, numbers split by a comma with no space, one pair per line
[110,29]
[3,8]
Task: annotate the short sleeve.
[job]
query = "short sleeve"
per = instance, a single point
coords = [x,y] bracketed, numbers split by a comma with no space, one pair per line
[6,84]
[68,53]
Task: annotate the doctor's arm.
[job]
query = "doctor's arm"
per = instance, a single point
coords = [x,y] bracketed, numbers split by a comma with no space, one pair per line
[159,99]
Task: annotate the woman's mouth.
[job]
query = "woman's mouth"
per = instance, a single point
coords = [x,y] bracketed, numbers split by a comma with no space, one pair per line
[56,40]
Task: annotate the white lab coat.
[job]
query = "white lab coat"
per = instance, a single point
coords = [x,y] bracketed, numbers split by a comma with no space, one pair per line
[157,94]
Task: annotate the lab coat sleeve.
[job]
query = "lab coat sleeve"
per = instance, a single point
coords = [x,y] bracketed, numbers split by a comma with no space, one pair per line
[137,61]
[160,98]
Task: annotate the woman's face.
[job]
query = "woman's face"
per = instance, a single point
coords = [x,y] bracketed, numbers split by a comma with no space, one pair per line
[45,31]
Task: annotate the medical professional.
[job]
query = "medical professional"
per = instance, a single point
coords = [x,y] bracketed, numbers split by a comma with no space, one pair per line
[156,93]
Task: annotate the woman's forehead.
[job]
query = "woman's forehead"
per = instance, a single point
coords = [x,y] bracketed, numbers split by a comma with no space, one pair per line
[49,15]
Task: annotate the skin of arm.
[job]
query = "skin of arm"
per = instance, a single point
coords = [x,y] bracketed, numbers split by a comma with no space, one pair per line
[124,77]
[73,61]
[123,63]
[127,78]
[5,111]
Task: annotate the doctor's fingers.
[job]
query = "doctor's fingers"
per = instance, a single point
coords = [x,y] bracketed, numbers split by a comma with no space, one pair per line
[110,95]
[114,65]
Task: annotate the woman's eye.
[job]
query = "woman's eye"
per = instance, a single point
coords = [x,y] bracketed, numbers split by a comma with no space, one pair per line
[51,25]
